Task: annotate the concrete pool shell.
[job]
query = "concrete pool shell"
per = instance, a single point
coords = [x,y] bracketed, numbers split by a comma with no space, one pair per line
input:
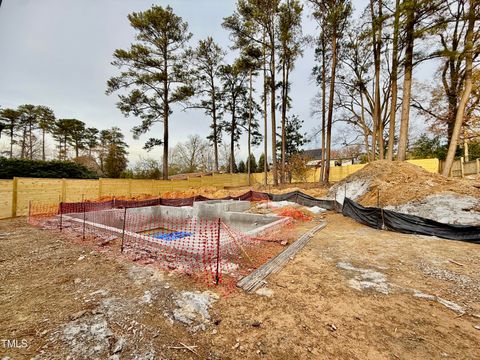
[232,214]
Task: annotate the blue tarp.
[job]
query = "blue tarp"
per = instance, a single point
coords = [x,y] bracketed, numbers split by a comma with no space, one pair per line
[171,236]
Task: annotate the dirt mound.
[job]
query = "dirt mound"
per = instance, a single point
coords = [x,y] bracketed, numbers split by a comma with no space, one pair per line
[396,183]
[312,189]
[295,213]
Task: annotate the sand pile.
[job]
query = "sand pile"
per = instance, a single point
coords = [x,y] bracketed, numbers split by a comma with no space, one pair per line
[408,188]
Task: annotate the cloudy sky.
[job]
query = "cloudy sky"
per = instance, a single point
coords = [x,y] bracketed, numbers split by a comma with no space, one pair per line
[58,53]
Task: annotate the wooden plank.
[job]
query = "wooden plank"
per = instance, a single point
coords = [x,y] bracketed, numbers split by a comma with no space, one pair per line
[45,191]
[14,197]
[6,197]
[256,279]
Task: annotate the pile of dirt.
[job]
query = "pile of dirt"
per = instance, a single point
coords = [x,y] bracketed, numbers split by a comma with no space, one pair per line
[295,213]
[410,189]
[312,189]
[215,193]
[396,183]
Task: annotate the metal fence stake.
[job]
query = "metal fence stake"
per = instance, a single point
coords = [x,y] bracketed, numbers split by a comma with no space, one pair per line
[61,216]
[84,217]
[123,228]
[217,274]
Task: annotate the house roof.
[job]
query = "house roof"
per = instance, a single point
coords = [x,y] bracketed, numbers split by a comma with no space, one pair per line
[314,154]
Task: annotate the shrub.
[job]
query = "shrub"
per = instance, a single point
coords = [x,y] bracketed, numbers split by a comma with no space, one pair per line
[10,168]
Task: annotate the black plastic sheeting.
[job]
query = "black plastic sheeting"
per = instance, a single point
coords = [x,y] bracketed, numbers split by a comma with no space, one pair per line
[306,200]
[409,224]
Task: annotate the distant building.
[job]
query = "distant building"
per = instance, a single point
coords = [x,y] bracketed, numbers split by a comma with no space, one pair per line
[315,156]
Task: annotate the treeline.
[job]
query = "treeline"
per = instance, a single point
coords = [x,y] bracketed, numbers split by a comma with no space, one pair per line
[103,152]
[363,70]
[163,68]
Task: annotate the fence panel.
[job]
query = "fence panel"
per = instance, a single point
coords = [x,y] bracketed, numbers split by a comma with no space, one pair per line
[37,190]
[16,194]
[76,189]
[6,191]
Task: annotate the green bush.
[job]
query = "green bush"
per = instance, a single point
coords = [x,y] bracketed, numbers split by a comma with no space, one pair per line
[10,168]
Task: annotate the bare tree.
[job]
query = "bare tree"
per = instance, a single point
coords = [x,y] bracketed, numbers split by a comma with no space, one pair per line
[193,155]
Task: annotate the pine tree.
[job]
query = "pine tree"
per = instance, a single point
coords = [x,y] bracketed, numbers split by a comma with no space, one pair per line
[46,122]
[154,71]
[207,60]
[241,167]
[116,158]
[253,164]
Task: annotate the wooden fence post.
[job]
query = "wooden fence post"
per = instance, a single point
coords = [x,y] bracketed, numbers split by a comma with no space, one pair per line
[100,188]
[478,166]
[64,190]
[462,169]
[14,197]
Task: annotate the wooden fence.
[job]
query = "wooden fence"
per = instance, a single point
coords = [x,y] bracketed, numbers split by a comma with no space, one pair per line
[16,194]
[338,173]
[462,168]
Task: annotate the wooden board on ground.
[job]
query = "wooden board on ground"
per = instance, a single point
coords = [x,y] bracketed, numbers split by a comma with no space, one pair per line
[256,279]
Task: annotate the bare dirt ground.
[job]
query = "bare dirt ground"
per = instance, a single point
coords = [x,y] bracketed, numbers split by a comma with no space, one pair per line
[352,293]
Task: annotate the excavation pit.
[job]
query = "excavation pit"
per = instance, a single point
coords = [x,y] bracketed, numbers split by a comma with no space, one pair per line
[216,238]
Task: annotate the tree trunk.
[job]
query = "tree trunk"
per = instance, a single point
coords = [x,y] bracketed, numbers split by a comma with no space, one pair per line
[43,144]
[466,91]
[249,125]
[232,140]
[381,149]
[330,104]
[273,106]
[215,129]
[365,131]
[30,139]
[407,84]
[284,114]
[394,81]
[24,142]
[12,133]
[376,96]
[324,107]
[466,154]
[166,110]
[265,118]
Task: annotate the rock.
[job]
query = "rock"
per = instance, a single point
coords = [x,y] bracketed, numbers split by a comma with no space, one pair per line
[81,257]
[193,306]
[236,346]
[332,327]
[147,297]
[477,327]
[78,315]
[114,357]
[101,292]
[118,346]
[264,292]
[284,242]
[77,281]
[256,324]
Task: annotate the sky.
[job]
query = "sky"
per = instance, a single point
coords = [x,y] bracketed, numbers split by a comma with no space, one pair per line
[58,53]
